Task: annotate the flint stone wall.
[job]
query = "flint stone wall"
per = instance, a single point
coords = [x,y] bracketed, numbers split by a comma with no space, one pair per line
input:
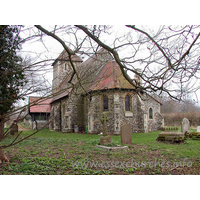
[42,124]
[117,114]
[158,120]
[87,110]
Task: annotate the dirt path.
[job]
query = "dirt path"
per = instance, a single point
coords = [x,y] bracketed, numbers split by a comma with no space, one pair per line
[22,128]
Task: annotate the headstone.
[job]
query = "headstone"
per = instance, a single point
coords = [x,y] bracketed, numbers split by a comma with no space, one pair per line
[185,125]
[126,134]
[174,137]
[76,129]
[198,128]
[34,125]
[105,139]
[14,129]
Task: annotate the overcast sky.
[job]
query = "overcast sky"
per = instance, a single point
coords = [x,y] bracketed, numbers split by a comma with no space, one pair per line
[49,48]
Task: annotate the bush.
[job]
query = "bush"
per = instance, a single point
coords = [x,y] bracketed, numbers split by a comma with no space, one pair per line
[175,119]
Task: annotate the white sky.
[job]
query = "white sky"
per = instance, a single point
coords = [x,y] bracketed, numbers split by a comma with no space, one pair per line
[49,48]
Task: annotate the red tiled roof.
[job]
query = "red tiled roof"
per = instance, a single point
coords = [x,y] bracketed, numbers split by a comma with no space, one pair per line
[42,106]
[82,69]
[110,77]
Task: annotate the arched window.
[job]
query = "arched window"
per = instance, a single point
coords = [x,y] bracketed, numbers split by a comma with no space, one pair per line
[127,103]
[105,103]
[150,113]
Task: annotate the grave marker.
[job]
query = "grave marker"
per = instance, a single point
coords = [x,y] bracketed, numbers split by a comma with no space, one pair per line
[105,139]
[185,125]
[14,129]
[126,134]
[174,137]
[104,120]
[76,129]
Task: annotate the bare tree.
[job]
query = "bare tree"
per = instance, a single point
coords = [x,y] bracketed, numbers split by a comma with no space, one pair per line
[167,56]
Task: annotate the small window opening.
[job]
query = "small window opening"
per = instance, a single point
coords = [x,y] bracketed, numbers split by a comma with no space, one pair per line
[150,113]
[127,103]
[105,103]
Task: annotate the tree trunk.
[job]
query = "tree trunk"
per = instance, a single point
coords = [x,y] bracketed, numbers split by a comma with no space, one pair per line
[1,126]
[2,155]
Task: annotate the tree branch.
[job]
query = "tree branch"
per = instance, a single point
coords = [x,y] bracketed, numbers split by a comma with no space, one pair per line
[70,53]
[158,46]
[114,53]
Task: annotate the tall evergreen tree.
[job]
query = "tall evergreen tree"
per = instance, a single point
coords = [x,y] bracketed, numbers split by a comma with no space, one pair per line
[12,75]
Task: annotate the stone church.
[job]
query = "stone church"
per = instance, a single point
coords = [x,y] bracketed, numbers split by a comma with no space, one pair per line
[100,87]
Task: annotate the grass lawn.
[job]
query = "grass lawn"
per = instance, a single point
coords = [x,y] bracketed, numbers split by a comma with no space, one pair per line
[50,152]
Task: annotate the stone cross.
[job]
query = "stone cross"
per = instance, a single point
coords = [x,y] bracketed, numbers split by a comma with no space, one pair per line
[104,120]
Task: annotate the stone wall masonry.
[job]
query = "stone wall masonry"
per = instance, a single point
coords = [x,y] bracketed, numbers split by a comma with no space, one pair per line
[71,109]
[56,116]
[59,72]
[69,113]
[157,121]
[42,123]
[87,110]
[116,114]
[51,119]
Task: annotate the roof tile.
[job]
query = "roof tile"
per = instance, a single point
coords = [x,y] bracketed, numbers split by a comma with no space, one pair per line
[42,106]
[110,77]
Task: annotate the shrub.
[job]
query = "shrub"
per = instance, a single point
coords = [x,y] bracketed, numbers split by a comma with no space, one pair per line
[175,119]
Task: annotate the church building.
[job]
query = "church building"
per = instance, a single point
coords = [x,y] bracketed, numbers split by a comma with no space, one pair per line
[100,87]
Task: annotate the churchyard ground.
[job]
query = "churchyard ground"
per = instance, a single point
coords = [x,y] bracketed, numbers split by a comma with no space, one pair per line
[50,152]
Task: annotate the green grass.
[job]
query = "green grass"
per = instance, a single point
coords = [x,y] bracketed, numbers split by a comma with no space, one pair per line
[190,149]
[45,133]
[50,152]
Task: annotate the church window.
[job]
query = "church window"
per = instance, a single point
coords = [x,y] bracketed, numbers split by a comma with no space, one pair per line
[127,103]
[105,103]
[150,113]
[65,67]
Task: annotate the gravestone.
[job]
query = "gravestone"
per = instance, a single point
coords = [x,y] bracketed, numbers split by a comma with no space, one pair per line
[34,125]
[126,134]
[185,125]
[198,128]
[174,137]
[14,129]
[76,129]
[105,139]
